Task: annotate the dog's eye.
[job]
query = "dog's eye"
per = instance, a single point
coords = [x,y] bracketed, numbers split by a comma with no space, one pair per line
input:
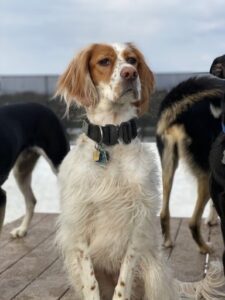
[131,60]
[104,62]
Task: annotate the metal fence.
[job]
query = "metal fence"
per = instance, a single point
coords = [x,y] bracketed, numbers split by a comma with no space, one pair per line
[46,84]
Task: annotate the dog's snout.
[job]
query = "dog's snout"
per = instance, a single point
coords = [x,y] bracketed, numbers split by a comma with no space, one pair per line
[128,73]
[217,70]
[219,65]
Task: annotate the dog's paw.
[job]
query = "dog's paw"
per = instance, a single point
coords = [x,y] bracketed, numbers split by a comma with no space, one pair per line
[18,232]
[206,248]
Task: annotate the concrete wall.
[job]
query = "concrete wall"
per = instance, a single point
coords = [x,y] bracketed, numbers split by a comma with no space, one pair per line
[46,84]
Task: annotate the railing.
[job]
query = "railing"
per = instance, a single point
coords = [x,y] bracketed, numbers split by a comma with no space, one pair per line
[45,84]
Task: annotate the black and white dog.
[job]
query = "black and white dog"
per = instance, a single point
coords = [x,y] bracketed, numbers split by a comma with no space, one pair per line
[217,157]
[26,132]
[217,178]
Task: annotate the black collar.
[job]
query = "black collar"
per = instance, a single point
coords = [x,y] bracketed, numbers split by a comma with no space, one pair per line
[111,134]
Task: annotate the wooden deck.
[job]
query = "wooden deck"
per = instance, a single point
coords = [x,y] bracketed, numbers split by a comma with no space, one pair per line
[30,268]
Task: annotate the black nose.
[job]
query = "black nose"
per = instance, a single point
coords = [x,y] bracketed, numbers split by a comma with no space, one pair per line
[128,73]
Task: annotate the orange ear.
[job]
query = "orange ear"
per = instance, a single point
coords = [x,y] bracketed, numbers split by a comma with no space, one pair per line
[75,84]
[147,81]
[147,86]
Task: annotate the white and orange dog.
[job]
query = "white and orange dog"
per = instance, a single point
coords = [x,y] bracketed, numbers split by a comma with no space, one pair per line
[109,182]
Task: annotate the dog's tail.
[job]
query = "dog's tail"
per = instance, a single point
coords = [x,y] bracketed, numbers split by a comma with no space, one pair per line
[211,287]
[185,95]
[53,143]
[158,282]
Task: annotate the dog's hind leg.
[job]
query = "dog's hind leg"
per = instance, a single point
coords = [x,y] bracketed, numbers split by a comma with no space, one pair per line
[195,221]
[169,160]
[23,174]
[2,206]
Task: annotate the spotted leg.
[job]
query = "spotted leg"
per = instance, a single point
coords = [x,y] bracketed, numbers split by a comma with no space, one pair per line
[81,272]
[123,288]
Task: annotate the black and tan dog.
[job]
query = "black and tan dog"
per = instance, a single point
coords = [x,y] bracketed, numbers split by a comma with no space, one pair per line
[188,123]
[26,132]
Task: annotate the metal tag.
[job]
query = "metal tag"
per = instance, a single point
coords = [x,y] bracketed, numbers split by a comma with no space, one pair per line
[100,155]
[96,155]
[104,157]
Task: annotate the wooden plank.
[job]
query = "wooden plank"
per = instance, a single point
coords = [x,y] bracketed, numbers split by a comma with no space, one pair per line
[26,270]
[53,283]
[30,268]
[18,248]
[5,236]
[186,260]
[69,295]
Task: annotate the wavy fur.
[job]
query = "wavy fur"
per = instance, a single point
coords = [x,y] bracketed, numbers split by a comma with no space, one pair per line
[107,229]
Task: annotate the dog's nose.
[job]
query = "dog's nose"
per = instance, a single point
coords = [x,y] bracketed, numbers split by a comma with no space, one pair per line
[128,73]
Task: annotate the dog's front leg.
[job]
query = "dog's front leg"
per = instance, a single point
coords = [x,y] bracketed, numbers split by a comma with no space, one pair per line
[123,288]
[81,269]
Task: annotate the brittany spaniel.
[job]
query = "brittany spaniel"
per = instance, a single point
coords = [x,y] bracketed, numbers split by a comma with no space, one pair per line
[109,182]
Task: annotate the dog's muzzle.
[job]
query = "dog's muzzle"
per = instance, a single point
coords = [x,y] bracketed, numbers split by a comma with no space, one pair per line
[218,71]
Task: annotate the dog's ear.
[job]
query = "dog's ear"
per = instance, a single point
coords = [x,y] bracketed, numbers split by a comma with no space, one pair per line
[147,81]
[147,86]
[75,84]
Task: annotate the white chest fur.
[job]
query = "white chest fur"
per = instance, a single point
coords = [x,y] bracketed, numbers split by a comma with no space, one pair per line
[131,167]
[104,204]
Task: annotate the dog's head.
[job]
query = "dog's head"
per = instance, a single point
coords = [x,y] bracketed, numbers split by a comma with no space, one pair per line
[117,73]
[218,67]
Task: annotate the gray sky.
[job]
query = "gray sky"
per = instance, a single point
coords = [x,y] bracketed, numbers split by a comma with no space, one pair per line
[41,37]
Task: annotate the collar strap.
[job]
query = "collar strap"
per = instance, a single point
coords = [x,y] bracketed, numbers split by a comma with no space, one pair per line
[111,134]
